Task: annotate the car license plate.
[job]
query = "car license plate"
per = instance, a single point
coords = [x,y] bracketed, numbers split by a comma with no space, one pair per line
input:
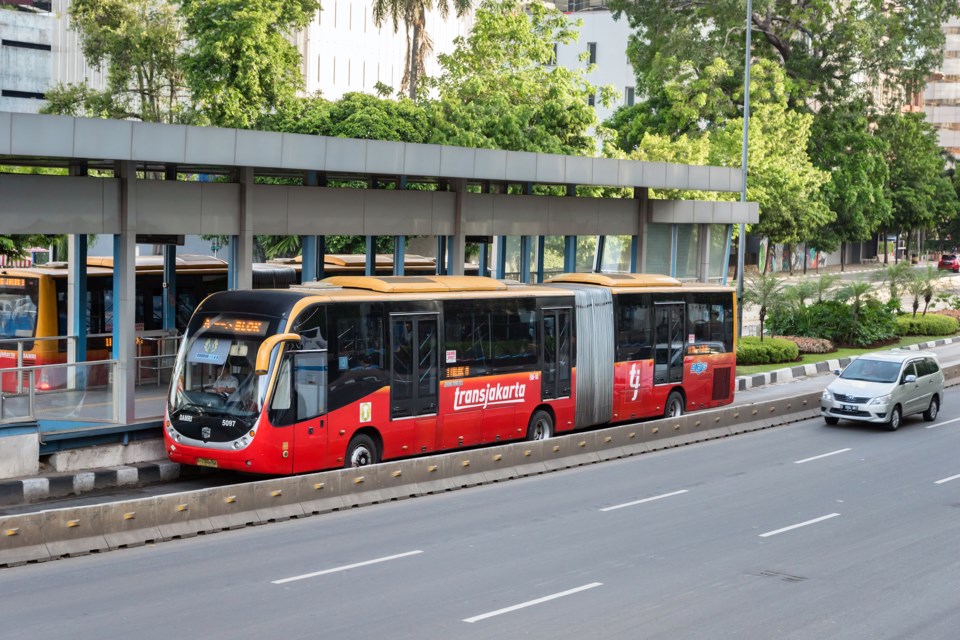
[845,407]
[206,462]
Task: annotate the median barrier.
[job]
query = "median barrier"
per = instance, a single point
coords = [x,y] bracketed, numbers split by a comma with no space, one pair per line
[425,475]
[183,515]
[232,507]
[277,499]
[494,464]
[320,492]
[361,486]
[130,523]
[574,450]
[21,539]
[74,531]
[529,459]
[616,442]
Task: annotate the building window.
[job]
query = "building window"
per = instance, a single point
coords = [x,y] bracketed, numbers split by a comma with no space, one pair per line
[26,45]
[591,100]
[628,96]
[592,50]
[12,93]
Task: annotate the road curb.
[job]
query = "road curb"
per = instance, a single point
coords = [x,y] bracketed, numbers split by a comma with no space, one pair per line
[25,490]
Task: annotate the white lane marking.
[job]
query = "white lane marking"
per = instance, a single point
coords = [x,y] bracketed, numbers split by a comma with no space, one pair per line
[797,526]
[940,424]
[824,455]
[530,603]
[947,479]
[635,502]
[346,567]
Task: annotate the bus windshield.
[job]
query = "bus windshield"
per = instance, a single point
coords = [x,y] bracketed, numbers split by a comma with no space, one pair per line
[214,375]
[18,307]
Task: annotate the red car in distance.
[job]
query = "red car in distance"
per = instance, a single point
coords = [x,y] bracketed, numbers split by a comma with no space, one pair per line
[949,262]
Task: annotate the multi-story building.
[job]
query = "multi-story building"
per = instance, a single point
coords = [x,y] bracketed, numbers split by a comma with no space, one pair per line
[941,97]
[25,54]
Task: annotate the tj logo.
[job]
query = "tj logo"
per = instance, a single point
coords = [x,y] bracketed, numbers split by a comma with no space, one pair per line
[634,381]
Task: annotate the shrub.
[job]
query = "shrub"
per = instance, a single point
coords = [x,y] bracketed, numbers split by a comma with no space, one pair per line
[833,320]
[928,325]
[811,345]
[771,351]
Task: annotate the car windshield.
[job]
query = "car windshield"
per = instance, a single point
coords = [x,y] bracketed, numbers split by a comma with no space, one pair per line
[872,370]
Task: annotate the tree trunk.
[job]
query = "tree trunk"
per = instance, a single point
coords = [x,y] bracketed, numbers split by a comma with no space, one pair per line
[843,255]
[806,252]
[414,57]
[768,259]
[886,257]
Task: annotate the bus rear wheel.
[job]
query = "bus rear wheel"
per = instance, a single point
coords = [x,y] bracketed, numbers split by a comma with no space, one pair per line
[541,426]
[362,451]
[674,407]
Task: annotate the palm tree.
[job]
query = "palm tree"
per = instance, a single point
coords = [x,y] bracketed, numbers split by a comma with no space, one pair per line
[797,295]
[825,284]
[413,13]
[859,293]
[929,276]
[766,291]
[896,276]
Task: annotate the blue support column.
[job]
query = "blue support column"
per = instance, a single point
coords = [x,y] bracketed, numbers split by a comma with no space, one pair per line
[525,259]
[321,257]
[598,256]
[371,256]
[500,269]
[399,254]
[634,254]
[673,251]
[484,252]
[569,254]
[441,255]
[308,256]
[233,253]
[79,328]
[541,245]
[726,253]
[170,288]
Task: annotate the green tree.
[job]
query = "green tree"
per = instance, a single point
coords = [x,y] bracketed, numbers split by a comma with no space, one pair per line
[857,293]
[842,143]
[413,13]
[896,277]
[241,62]
[916,184]
[137,42]
[766,291]
[827,47]
[499,90]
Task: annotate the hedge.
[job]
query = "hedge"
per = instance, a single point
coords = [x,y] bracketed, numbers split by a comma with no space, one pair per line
[928,325]
[771,351]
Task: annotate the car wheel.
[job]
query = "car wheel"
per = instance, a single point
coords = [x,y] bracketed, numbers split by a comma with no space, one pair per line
[895,417]
[931,413]
[831,420]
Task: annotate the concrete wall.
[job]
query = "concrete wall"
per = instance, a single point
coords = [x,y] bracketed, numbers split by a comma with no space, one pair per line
[25,59]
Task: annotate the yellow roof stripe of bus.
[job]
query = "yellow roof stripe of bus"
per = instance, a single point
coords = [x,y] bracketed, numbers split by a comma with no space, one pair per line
[416,284]
[618,279]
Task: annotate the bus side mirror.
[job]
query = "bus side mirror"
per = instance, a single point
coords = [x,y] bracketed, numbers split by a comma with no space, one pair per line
[263,353]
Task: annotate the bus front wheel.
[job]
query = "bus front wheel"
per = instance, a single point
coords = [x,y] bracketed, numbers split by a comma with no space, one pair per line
[361,452]
[541,426]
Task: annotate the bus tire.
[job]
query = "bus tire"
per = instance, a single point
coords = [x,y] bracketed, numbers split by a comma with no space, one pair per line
[541,425]
[361,452]
[674,406]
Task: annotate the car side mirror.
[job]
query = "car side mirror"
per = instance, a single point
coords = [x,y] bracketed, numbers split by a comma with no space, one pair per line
[910,378]
[837,372]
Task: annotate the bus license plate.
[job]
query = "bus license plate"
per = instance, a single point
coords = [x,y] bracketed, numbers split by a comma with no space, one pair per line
[206,462]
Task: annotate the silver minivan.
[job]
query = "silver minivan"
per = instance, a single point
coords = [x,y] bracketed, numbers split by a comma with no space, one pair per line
[884,387]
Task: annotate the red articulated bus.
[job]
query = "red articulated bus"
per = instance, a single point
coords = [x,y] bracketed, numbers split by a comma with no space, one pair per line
[354,370]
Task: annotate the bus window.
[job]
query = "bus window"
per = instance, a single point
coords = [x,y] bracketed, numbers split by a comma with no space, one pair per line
[311,325]
[514,335]
[18,308]
[634,328]
[310,380]
[356,353]
[710,318]
[467,334]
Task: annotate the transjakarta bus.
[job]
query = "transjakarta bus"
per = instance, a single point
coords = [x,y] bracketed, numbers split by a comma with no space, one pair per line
[354,369]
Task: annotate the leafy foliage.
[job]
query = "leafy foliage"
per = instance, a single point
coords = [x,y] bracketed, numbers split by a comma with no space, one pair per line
[751,350]
[929,325]
[834,320]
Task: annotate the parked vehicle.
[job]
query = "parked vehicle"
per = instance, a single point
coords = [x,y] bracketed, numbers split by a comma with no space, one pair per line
[885,387]
[949,262]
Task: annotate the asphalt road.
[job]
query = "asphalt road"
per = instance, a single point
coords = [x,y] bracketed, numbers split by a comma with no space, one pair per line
[804,531]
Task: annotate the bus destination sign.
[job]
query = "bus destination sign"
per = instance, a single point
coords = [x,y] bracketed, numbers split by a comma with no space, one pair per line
[13,282]
[235,325]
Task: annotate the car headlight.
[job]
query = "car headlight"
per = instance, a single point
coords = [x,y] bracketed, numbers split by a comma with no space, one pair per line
[826,396]
[880,400]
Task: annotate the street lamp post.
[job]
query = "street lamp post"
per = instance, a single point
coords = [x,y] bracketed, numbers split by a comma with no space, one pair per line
[741,243]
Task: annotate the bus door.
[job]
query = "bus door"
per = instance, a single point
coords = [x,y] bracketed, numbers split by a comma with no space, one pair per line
[668,324]
[557,350]
[414,376]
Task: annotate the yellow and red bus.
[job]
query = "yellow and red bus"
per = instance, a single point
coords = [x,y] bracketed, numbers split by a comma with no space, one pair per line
[353,370]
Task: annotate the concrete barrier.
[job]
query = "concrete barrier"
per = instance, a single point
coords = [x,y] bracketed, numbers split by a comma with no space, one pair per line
[130,523]
[21,539]
[182,515]
[75,531]
[232,507]
[320,492]
[277,499]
